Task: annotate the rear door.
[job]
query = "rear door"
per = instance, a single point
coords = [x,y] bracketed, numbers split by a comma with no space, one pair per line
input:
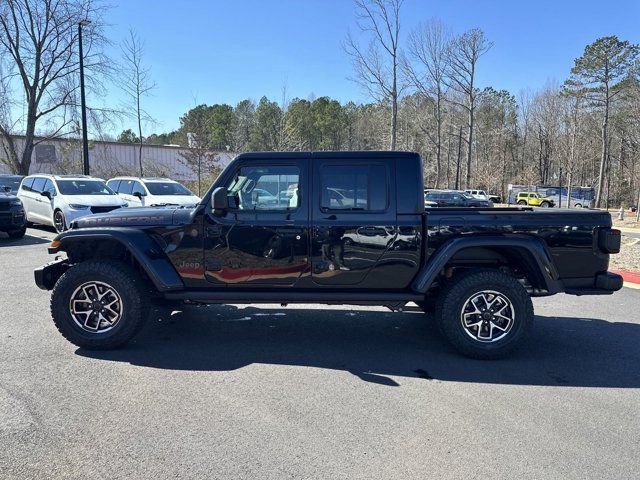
[26,196]
[353,218]
[40,204]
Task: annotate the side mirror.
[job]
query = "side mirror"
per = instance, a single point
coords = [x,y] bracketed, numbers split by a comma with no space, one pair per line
[138,194]
[6,188]
[220,199]
[46,193]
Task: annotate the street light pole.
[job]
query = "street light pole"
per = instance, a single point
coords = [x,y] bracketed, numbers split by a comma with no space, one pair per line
[83,107]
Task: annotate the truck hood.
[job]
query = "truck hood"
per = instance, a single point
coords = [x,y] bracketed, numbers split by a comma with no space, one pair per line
[136,217]
[93,200]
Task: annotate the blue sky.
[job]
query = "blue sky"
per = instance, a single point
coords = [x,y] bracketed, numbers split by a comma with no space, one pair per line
[222,51]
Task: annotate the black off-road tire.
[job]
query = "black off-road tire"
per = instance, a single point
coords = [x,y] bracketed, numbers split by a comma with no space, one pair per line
[15,234]
[464,287]
[545,205]
[119,276]
[522,202]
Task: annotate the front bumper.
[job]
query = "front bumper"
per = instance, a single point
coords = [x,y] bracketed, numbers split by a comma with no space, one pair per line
[47,275]
[12,220]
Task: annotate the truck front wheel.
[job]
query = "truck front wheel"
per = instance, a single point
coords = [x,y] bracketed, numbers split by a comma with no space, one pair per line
[99,304]
[484,314]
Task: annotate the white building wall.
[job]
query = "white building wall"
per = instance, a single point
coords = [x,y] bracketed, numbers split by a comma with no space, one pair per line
[108,159]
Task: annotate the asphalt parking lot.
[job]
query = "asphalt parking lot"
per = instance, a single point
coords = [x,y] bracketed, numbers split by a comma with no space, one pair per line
[314,392]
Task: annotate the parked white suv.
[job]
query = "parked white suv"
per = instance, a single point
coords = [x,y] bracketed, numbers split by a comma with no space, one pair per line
[479,194]
[152,192]
[57,200]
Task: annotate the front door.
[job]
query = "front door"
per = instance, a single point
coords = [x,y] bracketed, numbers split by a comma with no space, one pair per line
[125,190]
[353,216]
[264,236]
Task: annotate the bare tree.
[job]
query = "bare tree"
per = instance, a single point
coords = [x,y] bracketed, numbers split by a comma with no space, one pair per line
[40,40]
[427,69]
[376,66]
[136,84]
[463,54]
[6,124]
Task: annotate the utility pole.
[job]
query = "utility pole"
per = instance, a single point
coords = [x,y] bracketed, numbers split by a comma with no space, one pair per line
[83,107]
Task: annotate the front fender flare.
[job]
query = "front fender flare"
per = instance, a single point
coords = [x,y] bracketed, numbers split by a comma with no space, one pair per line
[138,243]
[534,247]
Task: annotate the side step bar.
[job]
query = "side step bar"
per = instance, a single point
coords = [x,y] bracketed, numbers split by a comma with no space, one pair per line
[284,296]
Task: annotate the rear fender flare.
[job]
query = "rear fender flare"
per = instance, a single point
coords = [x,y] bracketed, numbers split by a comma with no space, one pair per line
[537,252]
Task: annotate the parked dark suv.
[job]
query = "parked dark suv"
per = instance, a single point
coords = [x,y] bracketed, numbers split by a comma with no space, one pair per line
[455,198]
[11,181]
[12,219]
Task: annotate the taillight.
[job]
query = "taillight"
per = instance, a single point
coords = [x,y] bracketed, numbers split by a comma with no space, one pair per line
[609,240]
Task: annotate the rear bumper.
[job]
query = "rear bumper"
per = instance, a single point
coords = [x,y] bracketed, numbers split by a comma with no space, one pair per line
[609,281]
[605,284]
[47,275]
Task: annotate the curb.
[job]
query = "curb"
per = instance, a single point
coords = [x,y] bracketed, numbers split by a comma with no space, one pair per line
[631,279]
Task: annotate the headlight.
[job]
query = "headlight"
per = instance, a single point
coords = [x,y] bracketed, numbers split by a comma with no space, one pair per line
[16,203]
[76,206]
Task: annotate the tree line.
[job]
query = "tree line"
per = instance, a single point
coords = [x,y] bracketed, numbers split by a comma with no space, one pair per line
[424,96]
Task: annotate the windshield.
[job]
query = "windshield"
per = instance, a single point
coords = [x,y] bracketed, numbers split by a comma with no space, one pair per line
[166,188]
[84,187]
[13,182]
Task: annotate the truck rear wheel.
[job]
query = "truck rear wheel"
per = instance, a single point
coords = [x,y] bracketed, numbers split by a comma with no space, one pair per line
[484,314]
[99,304]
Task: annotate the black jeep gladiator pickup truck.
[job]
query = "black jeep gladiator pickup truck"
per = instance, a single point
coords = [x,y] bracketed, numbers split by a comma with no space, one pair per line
[332,228]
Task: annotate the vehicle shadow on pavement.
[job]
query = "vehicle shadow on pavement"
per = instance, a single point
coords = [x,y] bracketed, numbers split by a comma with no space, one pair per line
[24,241]
[380,347]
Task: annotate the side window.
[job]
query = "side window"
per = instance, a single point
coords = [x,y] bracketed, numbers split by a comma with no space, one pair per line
[38,184]
[266,188]
[27,183]
[113,185]
[126,187]
[138,188]
[354,187]
[49,187]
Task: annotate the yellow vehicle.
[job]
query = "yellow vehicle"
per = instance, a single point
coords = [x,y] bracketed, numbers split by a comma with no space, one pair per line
[534,200]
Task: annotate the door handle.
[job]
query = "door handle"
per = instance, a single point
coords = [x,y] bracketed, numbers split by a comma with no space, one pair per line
[331,217]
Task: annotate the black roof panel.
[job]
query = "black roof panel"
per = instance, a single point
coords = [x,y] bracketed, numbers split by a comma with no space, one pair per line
[327,154]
